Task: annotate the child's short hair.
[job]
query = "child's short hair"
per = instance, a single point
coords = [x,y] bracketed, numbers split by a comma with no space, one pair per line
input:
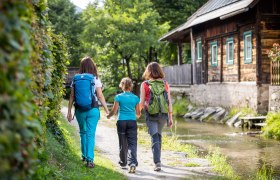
[126,84]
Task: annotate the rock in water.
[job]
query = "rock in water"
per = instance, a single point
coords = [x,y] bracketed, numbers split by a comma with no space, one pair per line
[233,120]
[208,111]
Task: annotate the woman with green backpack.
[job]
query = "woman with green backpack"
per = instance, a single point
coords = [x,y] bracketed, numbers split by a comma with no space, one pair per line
[155,98]
[85,92]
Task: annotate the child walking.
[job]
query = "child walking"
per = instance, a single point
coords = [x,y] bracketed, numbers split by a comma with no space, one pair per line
[128,108]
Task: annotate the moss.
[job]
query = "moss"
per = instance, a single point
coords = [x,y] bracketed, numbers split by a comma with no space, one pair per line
[272,129]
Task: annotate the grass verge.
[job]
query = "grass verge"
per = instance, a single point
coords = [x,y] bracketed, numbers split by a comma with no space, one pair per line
[62,161]
[220,164]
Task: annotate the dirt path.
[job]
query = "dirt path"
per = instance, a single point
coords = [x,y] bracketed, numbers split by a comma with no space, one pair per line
[107,143]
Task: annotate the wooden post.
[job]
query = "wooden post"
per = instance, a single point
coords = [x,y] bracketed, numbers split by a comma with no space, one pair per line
[179,53]
[238,54]
[258,49]
[193,58]
[222,52]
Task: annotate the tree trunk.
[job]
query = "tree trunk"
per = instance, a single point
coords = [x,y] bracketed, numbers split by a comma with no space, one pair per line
[128,67]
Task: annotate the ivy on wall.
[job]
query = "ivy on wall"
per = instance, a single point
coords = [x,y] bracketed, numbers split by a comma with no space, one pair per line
[32,69]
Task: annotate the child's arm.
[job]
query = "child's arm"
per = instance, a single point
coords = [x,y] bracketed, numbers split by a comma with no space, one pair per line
[114,109]
[138,111]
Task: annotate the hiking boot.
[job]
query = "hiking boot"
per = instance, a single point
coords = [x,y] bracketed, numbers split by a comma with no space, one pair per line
[132,169]
[90,164]
[157,167]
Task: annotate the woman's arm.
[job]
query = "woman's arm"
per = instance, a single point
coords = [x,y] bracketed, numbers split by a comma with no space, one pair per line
[102,99]
[70,104]
[138,112]
[170,121]
[142,97]
[114,109]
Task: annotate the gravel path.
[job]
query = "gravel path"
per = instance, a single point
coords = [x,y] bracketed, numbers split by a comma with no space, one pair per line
[172,162]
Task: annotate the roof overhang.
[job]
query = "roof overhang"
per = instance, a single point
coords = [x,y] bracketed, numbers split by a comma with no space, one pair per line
[222,13]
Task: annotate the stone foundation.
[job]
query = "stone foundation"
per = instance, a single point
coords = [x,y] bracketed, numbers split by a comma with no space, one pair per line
[227,95]
[274,98]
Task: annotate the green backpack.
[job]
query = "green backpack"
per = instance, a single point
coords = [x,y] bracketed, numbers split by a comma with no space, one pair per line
[158,99]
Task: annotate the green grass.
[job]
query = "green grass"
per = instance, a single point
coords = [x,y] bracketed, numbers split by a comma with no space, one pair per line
[220,164]
[191,165]
[63,161]
[272,129]
[180,107]
[265,173]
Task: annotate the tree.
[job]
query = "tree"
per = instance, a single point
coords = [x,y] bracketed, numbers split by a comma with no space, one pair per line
[66,21]
[124,32]
[175,12]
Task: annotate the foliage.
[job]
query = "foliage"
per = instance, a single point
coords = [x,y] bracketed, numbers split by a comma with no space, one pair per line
[26,75]
[192,164]
[123,33]
[64,160]
[109,94]
[67,22]
[19,123]
[180,107]
[272,129]
[265,173]
[174,12]
[220,164]
[57,87]
[274,52]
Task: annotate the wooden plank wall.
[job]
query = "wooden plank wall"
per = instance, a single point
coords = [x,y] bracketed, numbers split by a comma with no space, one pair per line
[230,71]
[177,75]
[248,71]
[214,71]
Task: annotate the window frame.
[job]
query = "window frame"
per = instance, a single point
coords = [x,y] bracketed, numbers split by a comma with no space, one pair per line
[247,60]
[212,44]
[198,49]
[228,41]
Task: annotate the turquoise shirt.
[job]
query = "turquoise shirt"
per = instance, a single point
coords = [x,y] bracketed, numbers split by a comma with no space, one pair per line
[127,104]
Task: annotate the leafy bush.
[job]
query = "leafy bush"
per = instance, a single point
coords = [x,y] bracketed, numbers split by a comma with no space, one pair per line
[109,93]
[272,129]
[26,75]
[180,107]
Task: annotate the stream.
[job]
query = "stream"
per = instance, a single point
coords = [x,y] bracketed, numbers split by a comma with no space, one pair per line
[246,153]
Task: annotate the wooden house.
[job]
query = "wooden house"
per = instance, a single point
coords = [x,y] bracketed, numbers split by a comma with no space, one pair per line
[228,40]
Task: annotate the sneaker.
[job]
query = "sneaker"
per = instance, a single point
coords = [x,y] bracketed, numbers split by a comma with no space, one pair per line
[132,169]
[83,159]
[90,164]
[122,165]
[157,167]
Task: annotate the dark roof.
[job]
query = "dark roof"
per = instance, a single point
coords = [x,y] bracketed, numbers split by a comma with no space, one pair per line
[212,9]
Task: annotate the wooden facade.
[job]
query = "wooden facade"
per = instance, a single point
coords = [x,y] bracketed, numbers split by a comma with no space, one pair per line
[257,28]
[264,26]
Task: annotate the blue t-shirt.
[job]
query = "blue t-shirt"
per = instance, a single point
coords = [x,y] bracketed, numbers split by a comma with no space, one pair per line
[127,104]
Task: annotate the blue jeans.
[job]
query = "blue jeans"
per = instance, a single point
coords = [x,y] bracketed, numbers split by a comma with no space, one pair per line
[87,121]
[155,129]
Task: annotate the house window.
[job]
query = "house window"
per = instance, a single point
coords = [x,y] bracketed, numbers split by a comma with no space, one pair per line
[214,53]
[198,50]
[248,47]
[230,51]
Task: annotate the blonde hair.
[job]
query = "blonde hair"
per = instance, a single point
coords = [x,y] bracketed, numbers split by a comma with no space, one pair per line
[126,84]
[153,71]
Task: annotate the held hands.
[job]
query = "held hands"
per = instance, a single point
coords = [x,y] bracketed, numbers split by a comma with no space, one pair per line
[170,123]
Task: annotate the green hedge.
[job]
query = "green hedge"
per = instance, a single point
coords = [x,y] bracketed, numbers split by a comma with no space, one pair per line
[272,129]
[29,68]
